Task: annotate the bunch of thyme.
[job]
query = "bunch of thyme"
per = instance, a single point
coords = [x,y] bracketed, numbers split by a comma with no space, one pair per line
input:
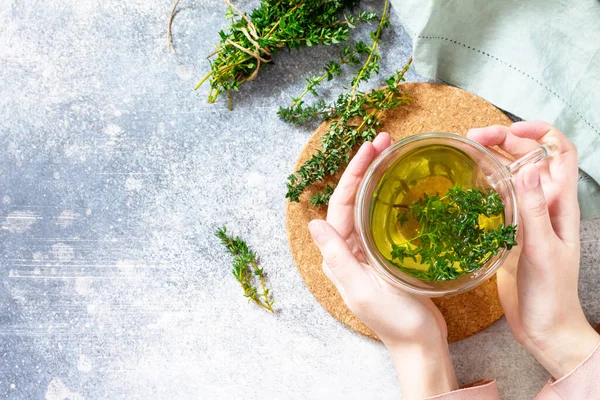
[245,266]
[451,241]
[252,41]
[298,113]
[354,115]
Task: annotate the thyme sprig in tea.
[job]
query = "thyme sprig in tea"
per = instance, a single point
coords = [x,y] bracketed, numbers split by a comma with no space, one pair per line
[451,241]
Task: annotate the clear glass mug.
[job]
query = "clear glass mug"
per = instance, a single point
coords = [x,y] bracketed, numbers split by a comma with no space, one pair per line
[498,175]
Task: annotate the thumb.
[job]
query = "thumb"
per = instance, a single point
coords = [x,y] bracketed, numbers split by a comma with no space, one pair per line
[536,226]
[343,265]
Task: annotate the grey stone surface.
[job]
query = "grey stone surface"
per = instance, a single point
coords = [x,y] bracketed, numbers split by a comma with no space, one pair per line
[114,175]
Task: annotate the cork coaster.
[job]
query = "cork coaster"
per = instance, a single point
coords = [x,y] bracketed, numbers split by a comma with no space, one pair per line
[436,108]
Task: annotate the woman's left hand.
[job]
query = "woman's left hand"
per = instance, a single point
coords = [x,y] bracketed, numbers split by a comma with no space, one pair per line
[411,327]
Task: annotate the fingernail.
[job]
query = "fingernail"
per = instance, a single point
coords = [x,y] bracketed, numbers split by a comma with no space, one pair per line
[317,229]
[531,177]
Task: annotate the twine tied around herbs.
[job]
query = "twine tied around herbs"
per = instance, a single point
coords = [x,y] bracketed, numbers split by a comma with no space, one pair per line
[252,36]
[250,33]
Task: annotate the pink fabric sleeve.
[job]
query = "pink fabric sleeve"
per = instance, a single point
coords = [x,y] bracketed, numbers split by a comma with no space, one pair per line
[482,390]
[582,383]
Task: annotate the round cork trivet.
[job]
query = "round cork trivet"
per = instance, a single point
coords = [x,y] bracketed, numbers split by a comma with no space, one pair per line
[435,108]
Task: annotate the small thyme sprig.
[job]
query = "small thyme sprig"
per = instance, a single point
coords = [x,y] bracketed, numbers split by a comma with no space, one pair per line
[245,266]
[372,64]
[354,120]
[322,198]
[450,235]
[297,112]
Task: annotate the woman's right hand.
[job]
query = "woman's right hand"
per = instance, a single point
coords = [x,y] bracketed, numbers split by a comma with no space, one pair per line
[540,296]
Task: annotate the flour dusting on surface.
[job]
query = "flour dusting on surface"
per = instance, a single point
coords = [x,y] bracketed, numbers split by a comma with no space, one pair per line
[63,252]
[83,285]
[84,364]
[57,390]
[66,218]
[20,221]
[184,72]
[255,179]
[113,130]
[133,184]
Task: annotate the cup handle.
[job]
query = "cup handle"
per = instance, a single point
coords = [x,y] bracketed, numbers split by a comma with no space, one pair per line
[542,152]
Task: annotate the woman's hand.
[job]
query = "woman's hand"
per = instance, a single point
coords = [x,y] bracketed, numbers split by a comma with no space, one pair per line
[539,296]
[412,328]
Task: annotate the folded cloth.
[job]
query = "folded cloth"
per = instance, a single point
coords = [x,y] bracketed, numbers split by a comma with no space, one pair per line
[537,59]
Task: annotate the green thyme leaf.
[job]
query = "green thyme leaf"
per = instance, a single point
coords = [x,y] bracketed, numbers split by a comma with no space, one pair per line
[451,241]
[245,266]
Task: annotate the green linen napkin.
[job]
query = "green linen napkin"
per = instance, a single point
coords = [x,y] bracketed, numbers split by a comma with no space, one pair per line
[538,59]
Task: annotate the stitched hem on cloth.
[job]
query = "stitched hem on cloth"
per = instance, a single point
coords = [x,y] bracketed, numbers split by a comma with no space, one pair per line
[541,84]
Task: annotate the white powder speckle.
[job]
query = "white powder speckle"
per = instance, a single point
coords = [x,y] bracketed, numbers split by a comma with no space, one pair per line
[19,221]
[84,364]
[6,200]
[127,266]
[75,151]
[133,184]
[63,252]
[12,386]
[66,218]
[88,211]
[56,175]
[57,390]
[255,179]
[82,286]
[184,72]
[113,130]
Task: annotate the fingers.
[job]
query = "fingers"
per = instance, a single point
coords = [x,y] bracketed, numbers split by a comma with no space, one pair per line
[346,270]
[544,133]
[563,166]
[537,228]
[382,142]
[499,156]
[341,204]
[560,172]
[563,175]
[501,136]
[488,136]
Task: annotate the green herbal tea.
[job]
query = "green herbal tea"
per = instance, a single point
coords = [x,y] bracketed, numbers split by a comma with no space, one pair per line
[435,216]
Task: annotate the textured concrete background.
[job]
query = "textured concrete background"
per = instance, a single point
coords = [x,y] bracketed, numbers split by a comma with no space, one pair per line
[114,175]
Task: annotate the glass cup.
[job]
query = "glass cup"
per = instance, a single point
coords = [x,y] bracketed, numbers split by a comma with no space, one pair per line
[497,175]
